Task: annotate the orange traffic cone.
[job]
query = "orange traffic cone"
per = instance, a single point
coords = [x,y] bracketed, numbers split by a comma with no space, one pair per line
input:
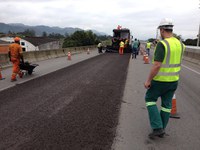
[174,109]
[69,55]
[88,51]
[144,55]
[146,59]
[1,78]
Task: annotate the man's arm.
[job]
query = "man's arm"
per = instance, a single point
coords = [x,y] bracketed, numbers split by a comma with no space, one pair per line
[154,70]
[159,55]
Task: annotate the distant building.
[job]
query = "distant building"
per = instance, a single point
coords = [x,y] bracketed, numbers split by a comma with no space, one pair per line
[35,43]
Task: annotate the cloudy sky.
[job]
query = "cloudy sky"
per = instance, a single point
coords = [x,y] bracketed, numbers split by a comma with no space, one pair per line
[140,16]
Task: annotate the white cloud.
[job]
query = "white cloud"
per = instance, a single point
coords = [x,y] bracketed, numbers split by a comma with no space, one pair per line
[142,16]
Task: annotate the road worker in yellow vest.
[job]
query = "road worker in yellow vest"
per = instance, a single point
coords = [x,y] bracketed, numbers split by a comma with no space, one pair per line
[121,47]
[163,77]
[148,47]
[126,43]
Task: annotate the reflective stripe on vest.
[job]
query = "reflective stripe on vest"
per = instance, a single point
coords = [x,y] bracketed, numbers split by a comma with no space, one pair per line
[166,109]
[171,64]
[150,103]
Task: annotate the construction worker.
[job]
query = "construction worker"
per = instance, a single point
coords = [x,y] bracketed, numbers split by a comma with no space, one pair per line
[163,77]
[135,48]
[100,47]
[148,47]
[138,47]
[126,43]
[121,47]
[15,54]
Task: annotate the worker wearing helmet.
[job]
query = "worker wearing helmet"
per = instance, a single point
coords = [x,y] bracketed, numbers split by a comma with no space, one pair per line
[15,54]
[148,47]
[163,78]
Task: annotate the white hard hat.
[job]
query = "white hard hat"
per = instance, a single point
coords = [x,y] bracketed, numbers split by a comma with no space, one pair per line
[166,23]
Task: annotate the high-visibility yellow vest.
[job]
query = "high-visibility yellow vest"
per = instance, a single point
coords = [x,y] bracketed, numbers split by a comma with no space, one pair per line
[171,65]
[121,44]
[148,45]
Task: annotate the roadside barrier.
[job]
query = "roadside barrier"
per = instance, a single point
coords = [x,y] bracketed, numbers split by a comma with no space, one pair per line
[34,56]
[192,54]
[1,78]
[174,109]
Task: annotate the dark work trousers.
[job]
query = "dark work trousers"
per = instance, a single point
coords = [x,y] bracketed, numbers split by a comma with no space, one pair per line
[134,53]
[100,49]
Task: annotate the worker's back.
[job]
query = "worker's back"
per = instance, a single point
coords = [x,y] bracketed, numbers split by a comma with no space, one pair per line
[135,44]
[15,50]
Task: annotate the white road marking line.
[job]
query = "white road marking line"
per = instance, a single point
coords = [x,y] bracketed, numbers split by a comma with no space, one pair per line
[191,69]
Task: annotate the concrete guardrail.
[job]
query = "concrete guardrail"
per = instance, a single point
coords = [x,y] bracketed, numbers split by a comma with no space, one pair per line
[191,53]
[34,56]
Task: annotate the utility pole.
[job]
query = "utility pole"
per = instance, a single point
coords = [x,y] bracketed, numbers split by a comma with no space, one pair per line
[198,36]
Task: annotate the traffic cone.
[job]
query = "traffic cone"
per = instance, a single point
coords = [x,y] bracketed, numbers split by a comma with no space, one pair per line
[144,55]
[146,59]
[174,109]
[1,78]
[69,55]
[88,51]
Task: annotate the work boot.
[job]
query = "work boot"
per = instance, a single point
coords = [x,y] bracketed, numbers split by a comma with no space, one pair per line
[157,132]
[13,80]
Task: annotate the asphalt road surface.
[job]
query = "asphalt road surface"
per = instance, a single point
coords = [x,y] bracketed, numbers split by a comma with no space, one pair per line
[75,108]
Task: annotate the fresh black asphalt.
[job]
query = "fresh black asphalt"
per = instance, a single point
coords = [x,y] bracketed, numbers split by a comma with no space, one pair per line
[75,108]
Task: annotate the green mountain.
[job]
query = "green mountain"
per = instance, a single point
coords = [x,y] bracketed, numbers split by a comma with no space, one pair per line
[18,27]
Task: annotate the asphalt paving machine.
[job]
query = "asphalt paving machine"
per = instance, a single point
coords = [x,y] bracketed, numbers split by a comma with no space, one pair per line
[118,35]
